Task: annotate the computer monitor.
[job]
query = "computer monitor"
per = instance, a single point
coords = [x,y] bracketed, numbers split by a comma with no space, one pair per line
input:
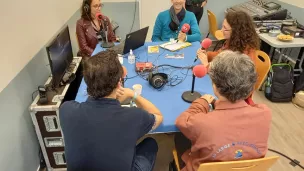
[60,55]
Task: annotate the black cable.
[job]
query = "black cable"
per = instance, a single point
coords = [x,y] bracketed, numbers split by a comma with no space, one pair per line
[179,67]
[134,16]
[293,162]
[33,94]
[159,56]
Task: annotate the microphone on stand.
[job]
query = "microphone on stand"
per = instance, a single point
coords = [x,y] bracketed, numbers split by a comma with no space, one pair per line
[206,43]
[190,96]
[185,29]
[105,43]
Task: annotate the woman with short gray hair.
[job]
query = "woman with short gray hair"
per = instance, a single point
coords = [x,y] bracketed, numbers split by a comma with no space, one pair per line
[233,76]
[233,130]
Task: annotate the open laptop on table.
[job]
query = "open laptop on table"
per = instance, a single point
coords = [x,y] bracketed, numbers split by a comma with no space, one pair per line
[133,41]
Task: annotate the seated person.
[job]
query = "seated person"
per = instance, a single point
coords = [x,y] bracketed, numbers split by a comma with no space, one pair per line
[170,22]
[88,26]
[233,130]
[99,133]
[239,32]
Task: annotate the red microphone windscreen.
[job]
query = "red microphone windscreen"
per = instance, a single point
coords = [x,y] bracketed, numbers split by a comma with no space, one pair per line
[125,72]
[206,43]
[199,71]
[185,28]
[98,16]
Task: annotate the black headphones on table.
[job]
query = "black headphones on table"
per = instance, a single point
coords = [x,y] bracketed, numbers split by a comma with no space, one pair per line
[158,80]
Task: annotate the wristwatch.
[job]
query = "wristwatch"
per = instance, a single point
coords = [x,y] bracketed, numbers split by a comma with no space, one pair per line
[211,105]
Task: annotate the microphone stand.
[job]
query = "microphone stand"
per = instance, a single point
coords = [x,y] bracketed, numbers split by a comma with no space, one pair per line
[105,43]
[190,96]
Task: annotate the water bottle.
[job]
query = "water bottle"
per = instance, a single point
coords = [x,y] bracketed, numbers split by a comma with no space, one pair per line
[131,57]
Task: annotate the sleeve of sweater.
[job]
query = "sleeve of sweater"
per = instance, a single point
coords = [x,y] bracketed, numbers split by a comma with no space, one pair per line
[157,30]
[196,34]
[81,36]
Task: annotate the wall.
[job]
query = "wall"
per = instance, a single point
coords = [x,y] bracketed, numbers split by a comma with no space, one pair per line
[297,3]
[23,67]
[123,13]
[26,26]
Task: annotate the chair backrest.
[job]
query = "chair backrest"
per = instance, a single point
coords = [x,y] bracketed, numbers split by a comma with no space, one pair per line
[212,23]
[263,65]
[262,164]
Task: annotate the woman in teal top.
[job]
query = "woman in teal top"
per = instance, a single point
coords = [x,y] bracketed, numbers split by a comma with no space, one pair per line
[169,23]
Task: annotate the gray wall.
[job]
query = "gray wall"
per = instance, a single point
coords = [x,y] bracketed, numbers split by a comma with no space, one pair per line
[123,14]
[19,145]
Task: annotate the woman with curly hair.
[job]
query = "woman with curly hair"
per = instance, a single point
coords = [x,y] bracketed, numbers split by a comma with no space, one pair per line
[239,31]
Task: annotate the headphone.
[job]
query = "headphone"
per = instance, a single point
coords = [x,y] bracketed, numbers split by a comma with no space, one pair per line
[158,80]
[86,6]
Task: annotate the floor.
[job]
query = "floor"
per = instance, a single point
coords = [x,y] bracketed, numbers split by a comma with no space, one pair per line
[287,135]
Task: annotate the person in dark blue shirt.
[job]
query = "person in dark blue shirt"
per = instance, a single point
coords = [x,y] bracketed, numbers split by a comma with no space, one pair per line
[100,134]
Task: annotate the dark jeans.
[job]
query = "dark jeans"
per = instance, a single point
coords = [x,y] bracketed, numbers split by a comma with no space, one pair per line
[145,156]
[197,10]
[182,144]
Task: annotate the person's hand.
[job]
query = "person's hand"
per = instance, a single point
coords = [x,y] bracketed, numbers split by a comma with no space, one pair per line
[124,93]
[182,36]
[203,4]
[202,56]
[209,98]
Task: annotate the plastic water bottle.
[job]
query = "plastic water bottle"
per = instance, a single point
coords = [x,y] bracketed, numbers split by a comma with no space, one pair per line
[131,57]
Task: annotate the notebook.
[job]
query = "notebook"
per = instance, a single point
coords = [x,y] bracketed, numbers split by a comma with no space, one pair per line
[174,46]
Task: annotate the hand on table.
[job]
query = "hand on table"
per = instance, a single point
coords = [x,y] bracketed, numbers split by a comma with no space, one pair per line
[182,36]
[124,93]
[202,56]
[209,98]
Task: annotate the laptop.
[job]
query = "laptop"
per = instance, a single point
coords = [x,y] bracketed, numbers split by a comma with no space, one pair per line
[133,41]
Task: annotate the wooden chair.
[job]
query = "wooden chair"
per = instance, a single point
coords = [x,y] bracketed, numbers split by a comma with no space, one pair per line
[262,164]
[213,29]
[263,65]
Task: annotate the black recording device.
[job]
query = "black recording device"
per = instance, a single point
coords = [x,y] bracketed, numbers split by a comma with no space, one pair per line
[42,95]
[158,80]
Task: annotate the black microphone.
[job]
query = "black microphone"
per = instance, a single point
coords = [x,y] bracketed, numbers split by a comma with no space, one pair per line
[190,96]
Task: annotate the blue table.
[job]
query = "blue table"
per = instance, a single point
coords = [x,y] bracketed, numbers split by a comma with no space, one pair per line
[168,100]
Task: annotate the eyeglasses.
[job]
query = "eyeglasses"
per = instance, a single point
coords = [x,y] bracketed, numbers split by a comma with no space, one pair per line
[96,6]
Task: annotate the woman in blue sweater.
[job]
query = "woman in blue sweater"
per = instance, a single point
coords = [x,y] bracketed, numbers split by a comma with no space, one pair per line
[169,23]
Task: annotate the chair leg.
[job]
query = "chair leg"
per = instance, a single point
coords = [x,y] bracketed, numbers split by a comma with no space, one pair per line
[172,166]
[207,35]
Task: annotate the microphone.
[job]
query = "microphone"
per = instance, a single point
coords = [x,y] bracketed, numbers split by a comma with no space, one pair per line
[185,29]
[206,43]
[190,96]
[99,16]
